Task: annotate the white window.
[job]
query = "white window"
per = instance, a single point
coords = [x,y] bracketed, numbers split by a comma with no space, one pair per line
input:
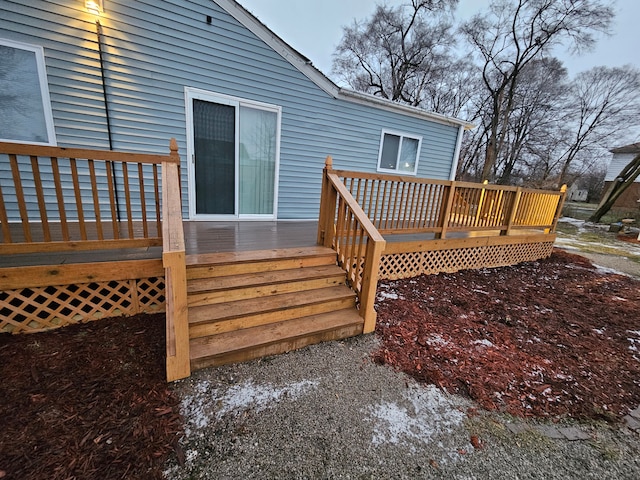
[25,108]
[399,152]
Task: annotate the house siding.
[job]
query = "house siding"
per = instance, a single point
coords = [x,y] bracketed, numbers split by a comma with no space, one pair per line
[153,50]
[618,162]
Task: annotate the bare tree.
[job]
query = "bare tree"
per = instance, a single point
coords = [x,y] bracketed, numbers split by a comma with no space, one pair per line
[514,33]
[397,52]
[533,117]
[601,107]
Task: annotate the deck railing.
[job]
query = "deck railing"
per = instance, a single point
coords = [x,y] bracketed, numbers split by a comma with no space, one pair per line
[402,205]
[359,212]
[344,226]
[54,199]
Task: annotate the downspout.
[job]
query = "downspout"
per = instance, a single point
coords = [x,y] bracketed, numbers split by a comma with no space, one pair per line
[456,154]
[106,111]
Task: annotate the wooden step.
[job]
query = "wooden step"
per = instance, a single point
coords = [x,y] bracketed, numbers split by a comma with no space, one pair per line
[226,317]
[237,263]
[256,288]
[257,279]
[274,338]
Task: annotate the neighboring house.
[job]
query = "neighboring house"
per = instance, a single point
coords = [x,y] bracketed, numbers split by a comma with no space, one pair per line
[253,118]
[630,199]
[577,194]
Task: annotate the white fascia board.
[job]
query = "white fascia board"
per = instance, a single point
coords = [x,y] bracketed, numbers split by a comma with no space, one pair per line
[366,98]
[295,58]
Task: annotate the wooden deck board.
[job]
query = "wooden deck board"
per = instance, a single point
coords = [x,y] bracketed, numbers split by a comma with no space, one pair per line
[206,240]
[201,238]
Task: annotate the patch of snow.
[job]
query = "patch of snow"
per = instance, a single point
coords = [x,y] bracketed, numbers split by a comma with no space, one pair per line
[608,271]
[483,342]
[436,339]
[240,398]
[599,331]
[429,414]
[477,290]
[389,296]
[206,404]
[571,221]
[635,342]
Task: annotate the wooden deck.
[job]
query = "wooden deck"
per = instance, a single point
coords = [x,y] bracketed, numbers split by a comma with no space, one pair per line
[200,238]
[216,237]
[238,290]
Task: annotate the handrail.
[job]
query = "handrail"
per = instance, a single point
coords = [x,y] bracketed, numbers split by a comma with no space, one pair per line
[401,205]
[56,198]
[174,262]
[345,227]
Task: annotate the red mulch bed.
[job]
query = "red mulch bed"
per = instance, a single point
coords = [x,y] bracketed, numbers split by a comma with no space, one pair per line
[629,237]
[548,338]
[87,401]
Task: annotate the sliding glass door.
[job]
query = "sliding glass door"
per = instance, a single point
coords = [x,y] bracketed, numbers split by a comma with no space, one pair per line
[234,152]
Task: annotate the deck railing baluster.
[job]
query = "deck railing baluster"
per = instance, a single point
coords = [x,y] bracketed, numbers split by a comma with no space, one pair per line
[78,197]
[42,204]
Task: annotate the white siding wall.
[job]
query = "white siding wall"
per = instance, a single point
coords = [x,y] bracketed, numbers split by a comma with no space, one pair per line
[153,49]
[618,162]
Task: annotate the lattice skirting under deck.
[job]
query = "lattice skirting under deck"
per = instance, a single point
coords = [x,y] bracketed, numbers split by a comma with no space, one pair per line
[411,264]
[43,308]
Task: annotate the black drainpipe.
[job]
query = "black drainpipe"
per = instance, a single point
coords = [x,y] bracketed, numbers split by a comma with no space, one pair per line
[106,111]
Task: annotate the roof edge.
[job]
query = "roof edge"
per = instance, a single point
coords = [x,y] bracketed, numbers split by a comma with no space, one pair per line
[361,97]
[305,66]
[631,148]
[286,51]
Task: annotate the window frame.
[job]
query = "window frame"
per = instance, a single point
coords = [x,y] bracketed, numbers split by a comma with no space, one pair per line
[402,136]
[44,91]
[192,93]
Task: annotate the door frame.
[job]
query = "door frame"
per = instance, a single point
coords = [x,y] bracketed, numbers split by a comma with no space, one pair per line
[190,94]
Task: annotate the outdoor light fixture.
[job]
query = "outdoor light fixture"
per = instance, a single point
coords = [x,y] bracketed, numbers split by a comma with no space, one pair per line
[94,7]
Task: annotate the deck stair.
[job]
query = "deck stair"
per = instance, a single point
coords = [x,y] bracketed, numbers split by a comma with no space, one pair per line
[246,305]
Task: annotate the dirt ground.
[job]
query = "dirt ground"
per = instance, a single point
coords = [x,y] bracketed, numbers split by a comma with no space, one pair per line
[555,338]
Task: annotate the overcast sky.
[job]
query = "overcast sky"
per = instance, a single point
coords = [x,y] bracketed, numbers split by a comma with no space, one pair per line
[314,28]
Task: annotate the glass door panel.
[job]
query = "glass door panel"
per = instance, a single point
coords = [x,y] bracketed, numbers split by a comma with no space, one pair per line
[257,151]
[215,159]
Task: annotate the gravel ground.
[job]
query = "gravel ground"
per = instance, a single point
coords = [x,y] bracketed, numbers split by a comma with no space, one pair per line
[328,411]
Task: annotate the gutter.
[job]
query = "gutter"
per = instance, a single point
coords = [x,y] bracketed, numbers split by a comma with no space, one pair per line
[360,97]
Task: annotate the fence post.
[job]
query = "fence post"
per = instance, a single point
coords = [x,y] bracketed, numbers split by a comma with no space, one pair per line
[446,213]
[512,213]
[328,198]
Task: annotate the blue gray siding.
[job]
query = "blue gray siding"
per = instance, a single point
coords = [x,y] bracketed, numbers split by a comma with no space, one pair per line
[154,49]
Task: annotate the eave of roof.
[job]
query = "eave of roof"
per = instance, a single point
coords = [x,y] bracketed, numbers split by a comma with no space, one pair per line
[304,65]
[632,148]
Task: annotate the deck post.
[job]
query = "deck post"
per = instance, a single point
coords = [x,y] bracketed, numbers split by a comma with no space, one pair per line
[370,275]
[328,198]
[174,262]
[512,212]
[445,214]
[559,207]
